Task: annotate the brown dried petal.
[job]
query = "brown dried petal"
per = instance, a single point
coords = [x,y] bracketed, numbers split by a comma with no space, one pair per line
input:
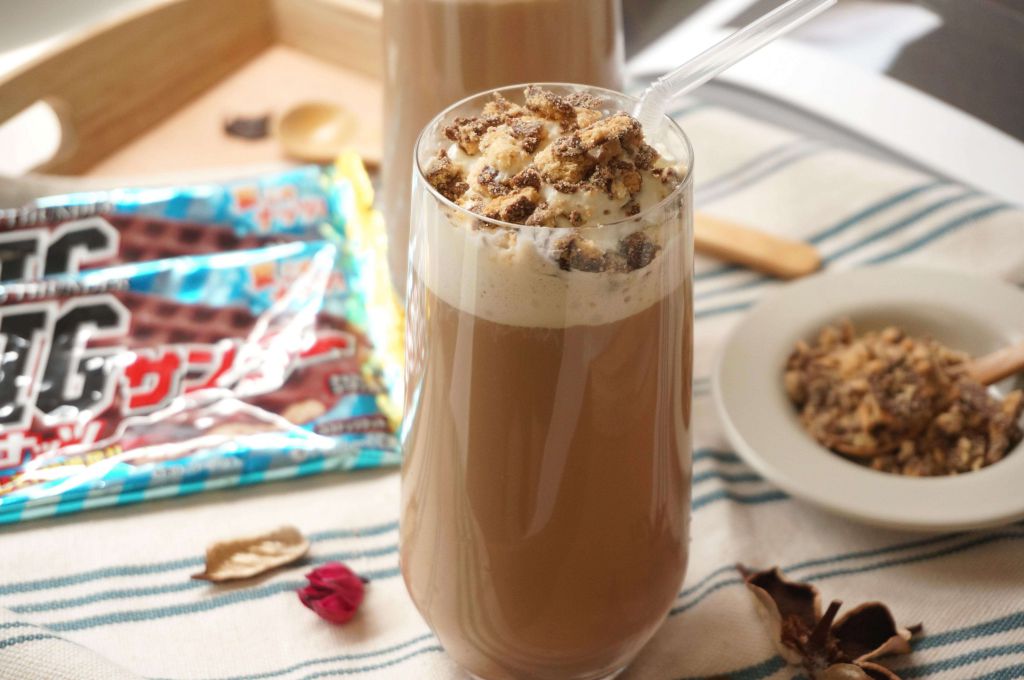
[254,555]
[875,671]
[869,631]
[789,598]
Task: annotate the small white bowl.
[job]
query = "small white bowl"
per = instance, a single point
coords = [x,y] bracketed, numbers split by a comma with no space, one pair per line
[972,314]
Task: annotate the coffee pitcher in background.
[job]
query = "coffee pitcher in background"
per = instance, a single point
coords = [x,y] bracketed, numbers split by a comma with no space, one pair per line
[440,51]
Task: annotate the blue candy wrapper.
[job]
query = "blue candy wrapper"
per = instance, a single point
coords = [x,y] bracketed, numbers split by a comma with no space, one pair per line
[149,379]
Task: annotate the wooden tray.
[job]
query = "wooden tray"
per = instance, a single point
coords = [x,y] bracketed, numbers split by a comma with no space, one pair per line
[149,92]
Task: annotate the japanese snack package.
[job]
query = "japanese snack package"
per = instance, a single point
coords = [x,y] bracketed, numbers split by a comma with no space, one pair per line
[144,356]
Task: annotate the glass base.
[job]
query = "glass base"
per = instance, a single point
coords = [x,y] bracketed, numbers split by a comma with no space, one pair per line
[610,676]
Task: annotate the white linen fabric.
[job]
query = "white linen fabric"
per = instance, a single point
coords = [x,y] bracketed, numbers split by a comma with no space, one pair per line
[107,595]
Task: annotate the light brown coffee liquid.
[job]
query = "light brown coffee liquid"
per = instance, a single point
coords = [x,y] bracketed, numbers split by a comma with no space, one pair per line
[546,486]
[439,51]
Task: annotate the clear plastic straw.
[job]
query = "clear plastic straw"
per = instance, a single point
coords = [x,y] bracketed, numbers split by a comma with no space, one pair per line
[722,55]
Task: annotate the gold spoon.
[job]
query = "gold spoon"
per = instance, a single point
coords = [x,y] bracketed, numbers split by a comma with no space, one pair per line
[316,132]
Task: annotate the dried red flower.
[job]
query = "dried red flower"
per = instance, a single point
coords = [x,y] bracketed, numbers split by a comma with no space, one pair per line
[334,592]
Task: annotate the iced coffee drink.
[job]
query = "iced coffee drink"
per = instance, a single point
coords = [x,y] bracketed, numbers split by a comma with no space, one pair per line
[546,484]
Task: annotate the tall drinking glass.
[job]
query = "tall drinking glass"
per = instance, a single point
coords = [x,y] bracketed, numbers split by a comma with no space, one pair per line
[546,482]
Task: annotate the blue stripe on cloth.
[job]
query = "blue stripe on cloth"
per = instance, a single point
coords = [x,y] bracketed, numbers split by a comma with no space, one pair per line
[725,309]
[743,499]
[839,227]
[717,271]
[874,209]
[756,280]
[974,656]
[716,455]
[358,656]
[755,170]
[766,668]
[121,593]
[912,559]
[374,667]
[48,583]
[900,225]
[166,611]
[957,223]
[759,280]
[732,478]
[1014,672]
[29,637]
[1014,621]
[686,592]
[885,564]
[15,624]
[173,565]
[760,670]
[182,586]
[996,626]
[1002,624]
[941,231]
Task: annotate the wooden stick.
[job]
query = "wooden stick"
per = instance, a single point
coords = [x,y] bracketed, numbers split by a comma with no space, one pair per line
[1000,364]
[766,253]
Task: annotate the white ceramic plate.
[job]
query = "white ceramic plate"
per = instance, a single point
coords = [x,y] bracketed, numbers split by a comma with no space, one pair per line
[975,315]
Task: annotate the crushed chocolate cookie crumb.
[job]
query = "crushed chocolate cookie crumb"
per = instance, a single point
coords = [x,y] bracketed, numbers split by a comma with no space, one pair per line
[466,132]
[638,249]
[601,178]
[498,107]
[584,100]
[587,164]
[540,217]
[514,207]
[666,175]
[620,127]
[898,403]
[526,178]
[488,178]
[527,132]
[550,105]
[631,179]
[645,156]
[564,161]
[576,252]
[444,176]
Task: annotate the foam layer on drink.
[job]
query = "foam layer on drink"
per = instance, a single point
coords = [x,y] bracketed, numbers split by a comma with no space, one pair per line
[599,240]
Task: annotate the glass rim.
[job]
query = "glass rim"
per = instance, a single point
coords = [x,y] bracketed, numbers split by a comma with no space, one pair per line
[683,185]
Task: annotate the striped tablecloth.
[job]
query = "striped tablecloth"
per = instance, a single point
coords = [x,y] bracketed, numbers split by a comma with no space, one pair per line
[107,595]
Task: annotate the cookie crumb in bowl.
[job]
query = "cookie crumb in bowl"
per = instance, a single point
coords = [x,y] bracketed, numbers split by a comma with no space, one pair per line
[898,403]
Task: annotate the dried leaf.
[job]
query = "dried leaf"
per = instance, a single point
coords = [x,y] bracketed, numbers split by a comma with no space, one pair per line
[247,557]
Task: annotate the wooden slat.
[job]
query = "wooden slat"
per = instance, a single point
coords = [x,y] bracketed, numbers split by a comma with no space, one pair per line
[344,32]
[274,81]
[118,80]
